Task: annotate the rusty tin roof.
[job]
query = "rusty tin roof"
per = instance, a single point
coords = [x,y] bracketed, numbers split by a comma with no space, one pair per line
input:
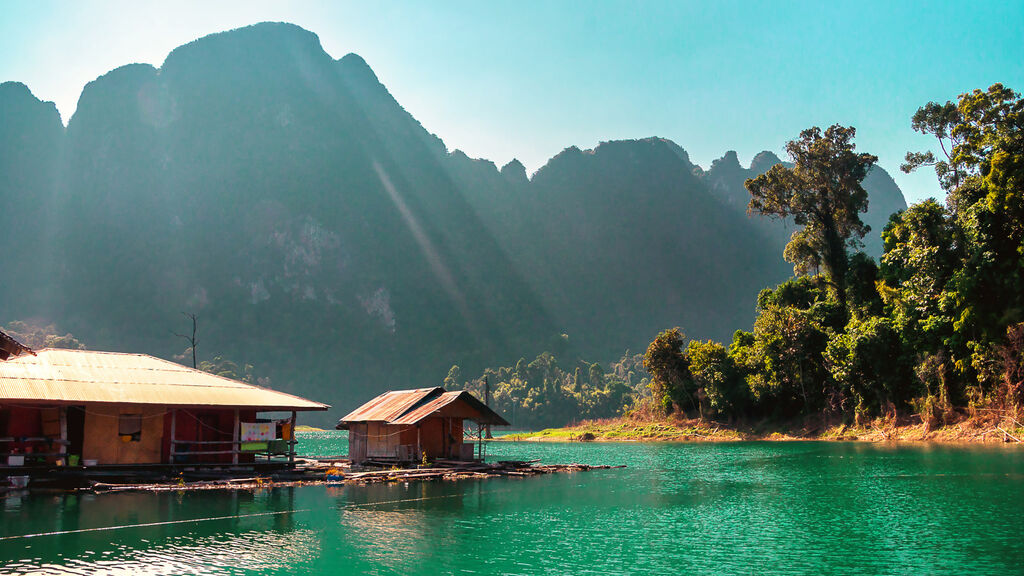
[391,405]
[85,376]
[477,412]
[413,406]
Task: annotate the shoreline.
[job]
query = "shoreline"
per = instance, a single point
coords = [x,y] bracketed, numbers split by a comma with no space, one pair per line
[967,431]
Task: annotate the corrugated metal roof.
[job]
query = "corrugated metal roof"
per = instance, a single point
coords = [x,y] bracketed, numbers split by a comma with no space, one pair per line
[86,376]
[391,405]
[412,406]
[427,408]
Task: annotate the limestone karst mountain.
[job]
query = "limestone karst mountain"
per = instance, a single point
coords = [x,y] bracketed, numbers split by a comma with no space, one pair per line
[322,234]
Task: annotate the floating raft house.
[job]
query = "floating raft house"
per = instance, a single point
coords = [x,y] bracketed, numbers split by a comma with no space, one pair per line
[65,409]
[408,425]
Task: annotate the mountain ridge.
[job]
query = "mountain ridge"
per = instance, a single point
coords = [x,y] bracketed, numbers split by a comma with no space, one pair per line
[324,235]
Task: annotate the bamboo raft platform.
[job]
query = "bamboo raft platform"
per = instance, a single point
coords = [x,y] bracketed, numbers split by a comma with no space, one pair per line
[335,472]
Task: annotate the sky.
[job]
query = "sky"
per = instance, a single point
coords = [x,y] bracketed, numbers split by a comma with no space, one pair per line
[526,79]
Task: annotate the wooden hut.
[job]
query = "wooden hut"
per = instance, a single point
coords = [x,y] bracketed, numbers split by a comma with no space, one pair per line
[68,407]
[406,425]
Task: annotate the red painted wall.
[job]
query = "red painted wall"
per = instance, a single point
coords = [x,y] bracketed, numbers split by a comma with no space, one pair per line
[204,426]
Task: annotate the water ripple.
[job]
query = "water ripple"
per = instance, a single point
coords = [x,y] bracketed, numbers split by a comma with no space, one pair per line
[744,508]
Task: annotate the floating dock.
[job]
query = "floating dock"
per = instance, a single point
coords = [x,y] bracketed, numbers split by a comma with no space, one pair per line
[310,472]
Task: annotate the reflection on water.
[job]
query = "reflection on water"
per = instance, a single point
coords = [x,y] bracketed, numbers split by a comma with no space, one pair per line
[252,551]
[759,508]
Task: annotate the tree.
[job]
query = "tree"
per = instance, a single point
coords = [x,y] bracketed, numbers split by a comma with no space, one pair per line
[223,367]
[922,255]
[938,120]
[190,339]
[982,139]
[980,135]
[715,375]
[38,337]
[669,370]
[823,194]
[451,381]
[787,352]
[868,363]
[1012,391]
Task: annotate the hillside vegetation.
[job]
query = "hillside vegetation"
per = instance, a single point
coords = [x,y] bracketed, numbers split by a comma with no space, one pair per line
[321,234]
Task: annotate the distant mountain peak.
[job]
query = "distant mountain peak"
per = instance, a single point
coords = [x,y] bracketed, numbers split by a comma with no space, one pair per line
[15,90]
[19,105]
[270,44]
[729,161]
[514,171]
[356,68]
[644,146]
[763,161]
[17,93]
[679,151]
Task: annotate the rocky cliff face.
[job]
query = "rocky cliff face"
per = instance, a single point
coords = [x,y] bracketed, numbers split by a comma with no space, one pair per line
[726,176]
[322,234]
[31,145]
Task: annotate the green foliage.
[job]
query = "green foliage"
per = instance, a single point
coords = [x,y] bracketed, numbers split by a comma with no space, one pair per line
[824,195]
[922,255]
[955,276]
[717,378]
[671,382]
[542,393]
[939,121]
[869,364]
[37,336]
[228,369]
[938,325]
[1011,393]
[785,365]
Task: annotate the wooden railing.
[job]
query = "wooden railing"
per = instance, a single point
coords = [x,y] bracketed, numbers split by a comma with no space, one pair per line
[236,447]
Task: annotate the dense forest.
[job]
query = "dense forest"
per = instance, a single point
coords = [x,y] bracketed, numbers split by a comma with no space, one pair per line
[322,235]
[540,393]
[934,328]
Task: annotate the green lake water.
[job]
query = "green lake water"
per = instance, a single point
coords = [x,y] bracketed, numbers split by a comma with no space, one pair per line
[735,508]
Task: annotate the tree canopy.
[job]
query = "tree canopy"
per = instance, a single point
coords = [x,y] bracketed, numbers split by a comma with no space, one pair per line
[823,194]
[935,328]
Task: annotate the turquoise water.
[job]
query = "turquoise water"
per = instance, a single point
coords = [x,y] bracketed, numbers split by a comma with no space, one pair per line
[743,508]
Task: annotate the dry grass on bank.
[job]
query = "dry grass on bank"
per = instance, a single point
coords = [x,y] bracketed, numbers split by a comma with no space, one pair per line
[984,426]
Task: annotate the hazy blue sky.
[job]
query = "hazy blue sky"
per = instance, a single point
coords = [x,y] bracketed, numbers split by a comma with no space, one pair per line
[526,79]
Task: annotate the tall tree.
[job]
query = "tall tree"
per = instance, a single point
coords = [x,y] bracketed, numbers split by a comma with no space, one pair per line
[982,289]
[670,371]
[823,194]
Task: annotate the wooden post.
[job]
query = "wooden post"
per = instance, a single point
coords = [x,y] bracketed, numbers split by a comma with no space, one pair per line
[487,402]
[234,439]
[419,449]
[63,430]
[291,442]
[174,421]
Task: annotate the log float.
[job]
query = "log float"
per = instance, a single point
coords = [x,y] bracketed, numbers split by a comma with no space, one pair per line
[320,474]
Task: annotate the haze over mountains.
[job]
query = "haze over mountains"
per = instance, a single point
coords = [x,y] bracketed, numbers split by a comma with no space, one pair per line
[320,233]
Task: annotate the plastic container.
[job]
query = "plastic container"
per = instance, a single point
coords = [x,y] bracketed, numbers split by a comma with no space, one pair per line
[73,459]
[19,481]
[90,462]
[16,460]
